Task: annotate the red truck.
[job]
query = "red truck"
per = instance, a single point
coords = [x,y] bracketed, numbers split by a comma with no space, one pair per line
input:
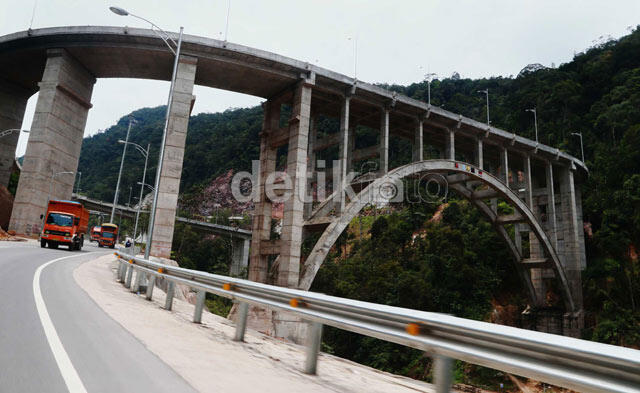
[66,223]
[108,235]
[96,231]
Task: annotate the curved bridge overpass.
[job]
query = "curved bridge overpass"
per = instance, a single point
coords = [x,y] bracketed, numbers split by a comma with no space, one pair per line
[63,63]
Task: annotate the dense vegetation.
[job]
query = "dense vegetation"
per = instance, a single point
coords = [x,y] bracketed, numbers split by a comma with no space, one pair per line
[455,267]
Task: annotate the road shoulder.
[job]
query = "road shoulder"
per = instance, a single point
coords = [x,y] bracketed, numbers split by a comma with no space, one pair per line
[206,357]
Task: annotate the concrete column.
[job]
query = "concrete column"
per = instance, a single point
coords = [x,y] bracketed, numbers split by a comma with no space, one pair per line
[418,143]
[528,182]
[479,154]
[384,142]
[504,162]
[344,151]
[261,224]
[173,155]
[551,207]
[240,256]
[55,139]
[535,250]
[573,252]
[13,100]
[451,145]
[311,165]
[293,220]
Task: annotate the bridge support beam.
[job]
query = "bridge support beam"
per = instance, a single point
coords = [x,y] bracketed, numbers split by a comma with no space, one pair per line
[240,256]
[13,100]
[55,139]
[173,155]
[384,142]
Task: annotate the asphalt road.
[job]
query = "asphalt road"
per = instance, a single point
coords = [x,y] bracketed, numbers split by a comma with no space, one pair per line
[54,338]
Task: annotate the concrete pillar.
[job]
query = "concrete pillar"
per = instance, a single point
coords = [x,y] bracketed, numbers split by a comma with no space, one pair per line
[311,165]
[13,100]
[535,250]
[55,139]
[173,155]
[240,256]
[344,151]
[504,162]
[384,142]
[573,252]
[293,220]
[479,154]
[451,145]
[551,207]
[261,224]
[418,142]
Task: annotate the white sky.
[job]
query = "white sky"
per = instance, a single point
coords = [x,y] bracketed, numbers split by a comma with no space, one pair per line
[395,38]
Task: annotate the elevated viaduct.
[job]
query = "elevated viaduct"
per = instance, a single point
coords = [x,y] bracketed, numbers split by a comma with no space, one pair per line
[480,162]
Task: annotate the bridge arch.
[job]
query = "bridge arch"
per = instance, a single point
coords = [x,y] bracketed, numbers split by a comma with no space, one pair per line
[462,178]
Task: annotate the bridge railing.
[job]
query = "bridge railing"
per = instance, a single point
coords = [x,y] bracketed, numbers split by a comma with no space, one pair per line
[568,362]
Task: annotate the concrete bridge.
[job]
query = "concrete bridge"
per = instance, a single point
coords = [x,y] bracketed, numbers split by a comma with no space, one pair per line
[482,163]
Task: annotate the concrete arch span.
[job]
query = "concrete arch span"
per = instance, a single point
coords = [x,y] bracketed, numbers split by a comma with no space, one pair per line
[464,179]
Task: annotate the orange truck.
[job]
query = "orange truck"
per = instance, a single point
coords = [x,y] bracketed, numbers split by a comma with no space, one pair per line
[95,233]
[65,223]
[108,235]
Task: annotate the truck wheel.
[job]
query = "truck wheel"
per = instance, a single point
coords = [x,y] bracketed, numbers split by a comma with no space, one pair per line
[99,244]
[112,246]
[53,245]
[43,243]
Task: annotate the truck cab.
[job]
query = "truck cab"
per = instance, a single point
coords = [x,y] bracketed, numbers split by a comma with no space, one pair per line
[65,223]
[108,235]
[95,233]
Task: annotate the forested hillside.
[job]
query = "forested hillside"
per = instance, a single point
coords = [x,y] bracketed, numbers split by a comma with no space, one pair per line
[455,267]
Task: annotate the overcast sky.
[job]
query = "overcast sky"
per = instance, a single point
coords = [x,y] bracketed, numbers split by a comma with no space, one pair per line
[398,41]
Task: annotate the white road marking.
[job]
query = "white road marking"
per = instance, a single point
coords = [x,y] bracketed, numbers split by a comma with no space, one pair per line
[69,373]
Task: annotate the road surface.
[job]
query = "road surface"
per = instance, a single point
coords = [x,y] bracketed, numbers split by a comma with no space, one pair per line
[54,338]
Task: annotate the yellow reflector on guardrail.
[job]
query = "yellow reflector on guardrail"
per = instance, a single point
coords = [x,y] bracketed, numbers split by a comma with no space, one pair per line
[413,329]
[130,260]
[227,287]
[160,270]
[295,302]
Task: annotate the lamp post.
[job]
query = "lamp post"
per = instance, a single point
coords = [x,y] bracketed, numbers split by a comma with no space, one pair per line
[535,120]
[429,77]
[145,153]
[166,38]
[486,92]
[581,145]
[124,152]
[53,175]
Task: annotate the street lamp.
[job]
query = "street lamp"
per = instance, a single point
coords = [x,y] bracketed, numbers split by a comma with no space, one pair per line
[486,92]
[124,151]
[429,77]
[53,175]
[166,38]
[145,153]
[581,145]
[535,120]
[147,185]
[10,131]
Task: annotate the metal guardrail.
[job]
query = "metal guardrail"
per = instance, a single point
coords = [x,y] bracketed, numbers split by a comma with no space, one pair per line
[563,361]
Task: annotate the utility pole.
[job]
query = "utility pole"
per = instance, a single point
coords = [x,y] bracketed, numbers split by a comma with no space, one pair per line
[124,152]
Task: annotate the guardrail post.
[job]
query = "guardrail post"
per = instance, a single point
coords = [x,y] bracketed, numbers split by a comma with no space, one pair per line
[241,324]
[313,347]
[127,282]
[168,303]
[122,271]
[443,373]
[150,285]
[138,282]
[119,272]
[197,314]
